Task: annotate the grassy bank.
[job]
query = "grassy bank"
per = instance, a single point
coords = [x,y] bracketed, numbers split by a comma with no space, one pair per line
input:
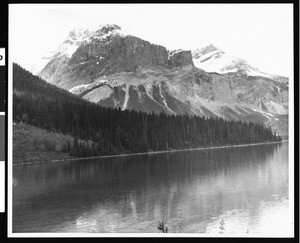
[32,144]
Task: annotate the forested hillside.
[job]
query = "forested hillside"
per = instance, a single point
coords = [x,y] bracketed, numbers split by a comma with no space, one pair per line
[102,131]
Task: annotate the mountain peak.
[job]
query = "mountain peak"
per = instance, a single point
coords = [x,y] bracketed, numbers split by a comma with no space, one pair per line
[108,28]
[213,59]
[79,34]
[204,50]
[208,49]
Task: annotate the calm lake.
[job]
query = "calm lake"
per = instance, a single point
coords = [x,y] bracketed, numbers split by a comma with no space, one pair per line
[193,191]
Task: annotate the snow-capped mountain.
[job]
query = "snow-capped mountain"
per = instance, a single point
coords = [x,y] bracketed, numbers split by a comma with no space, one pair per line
[212,59]
[123,71]
[75,38]
[78,37]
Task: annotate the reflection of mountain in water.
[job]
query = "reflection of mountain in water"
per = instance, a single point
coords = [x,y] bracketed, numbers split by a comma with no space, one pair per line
[128,194]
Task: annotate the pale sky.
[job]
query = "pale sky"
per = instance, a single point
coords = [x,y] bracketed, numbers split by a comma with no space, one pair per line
[262,34]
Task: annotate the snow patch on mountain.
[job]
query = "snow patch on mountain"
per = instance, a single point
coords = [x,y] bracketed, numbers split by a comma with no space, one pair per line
[278,89]
[79,88]
[221,62]
[126,97]
[173,52]
[164,99]
[212,59]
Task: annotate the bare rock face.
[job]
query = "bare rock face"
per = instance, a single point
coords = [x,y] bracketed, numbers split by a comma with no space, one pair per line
[179,58]
[120,54]
[105,52]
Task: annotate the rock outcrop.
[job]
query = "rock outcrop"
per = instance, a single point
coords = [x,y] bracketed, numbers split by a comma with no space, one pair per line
[180,58]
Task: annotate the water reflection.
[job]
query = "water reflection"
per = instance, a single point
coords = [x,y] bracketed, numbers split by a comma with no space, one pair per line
[191,190]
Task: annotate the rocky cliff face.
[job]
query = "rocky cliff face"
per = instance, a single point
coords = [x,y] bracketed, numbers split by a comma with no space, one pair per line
[105,52]
[123,71]
[180,58]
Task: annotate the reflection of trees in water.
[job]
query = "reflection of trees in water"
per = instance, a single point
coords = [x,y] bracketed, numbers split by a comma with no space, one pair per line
[154,186]
[144,168]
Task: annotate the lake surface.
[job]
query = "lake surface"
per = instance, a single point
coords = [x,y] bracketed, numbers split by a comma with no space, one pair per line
[193,191]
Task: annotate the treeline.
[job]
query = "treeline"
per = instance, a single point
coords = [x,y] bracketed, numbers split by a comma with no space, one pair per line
[103,131]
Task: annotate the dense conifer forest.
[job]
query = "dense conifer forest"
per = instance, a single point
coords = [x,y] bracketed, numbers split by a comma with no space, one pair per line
[104,131]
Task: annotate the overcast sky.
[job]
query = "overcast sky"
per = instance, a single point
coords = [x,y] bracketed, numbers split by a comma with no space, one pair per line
[262,34]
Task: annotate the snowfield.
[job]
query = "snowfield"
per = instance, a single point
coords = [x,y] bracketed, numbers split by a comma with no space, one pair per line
[222,62]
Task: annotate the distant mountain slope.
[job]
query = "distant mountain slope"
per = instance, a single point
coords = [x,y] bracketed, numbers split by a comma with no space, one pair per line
[212,59]
[138,75]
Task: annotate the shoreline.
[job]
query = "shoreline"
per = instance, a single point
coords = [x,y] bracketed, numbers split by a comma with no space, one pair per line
[147,153]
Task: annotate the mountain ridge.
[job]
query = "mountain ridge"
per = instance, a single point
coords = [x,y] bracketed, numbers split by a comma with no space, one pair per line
[147,77]
[212,59]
